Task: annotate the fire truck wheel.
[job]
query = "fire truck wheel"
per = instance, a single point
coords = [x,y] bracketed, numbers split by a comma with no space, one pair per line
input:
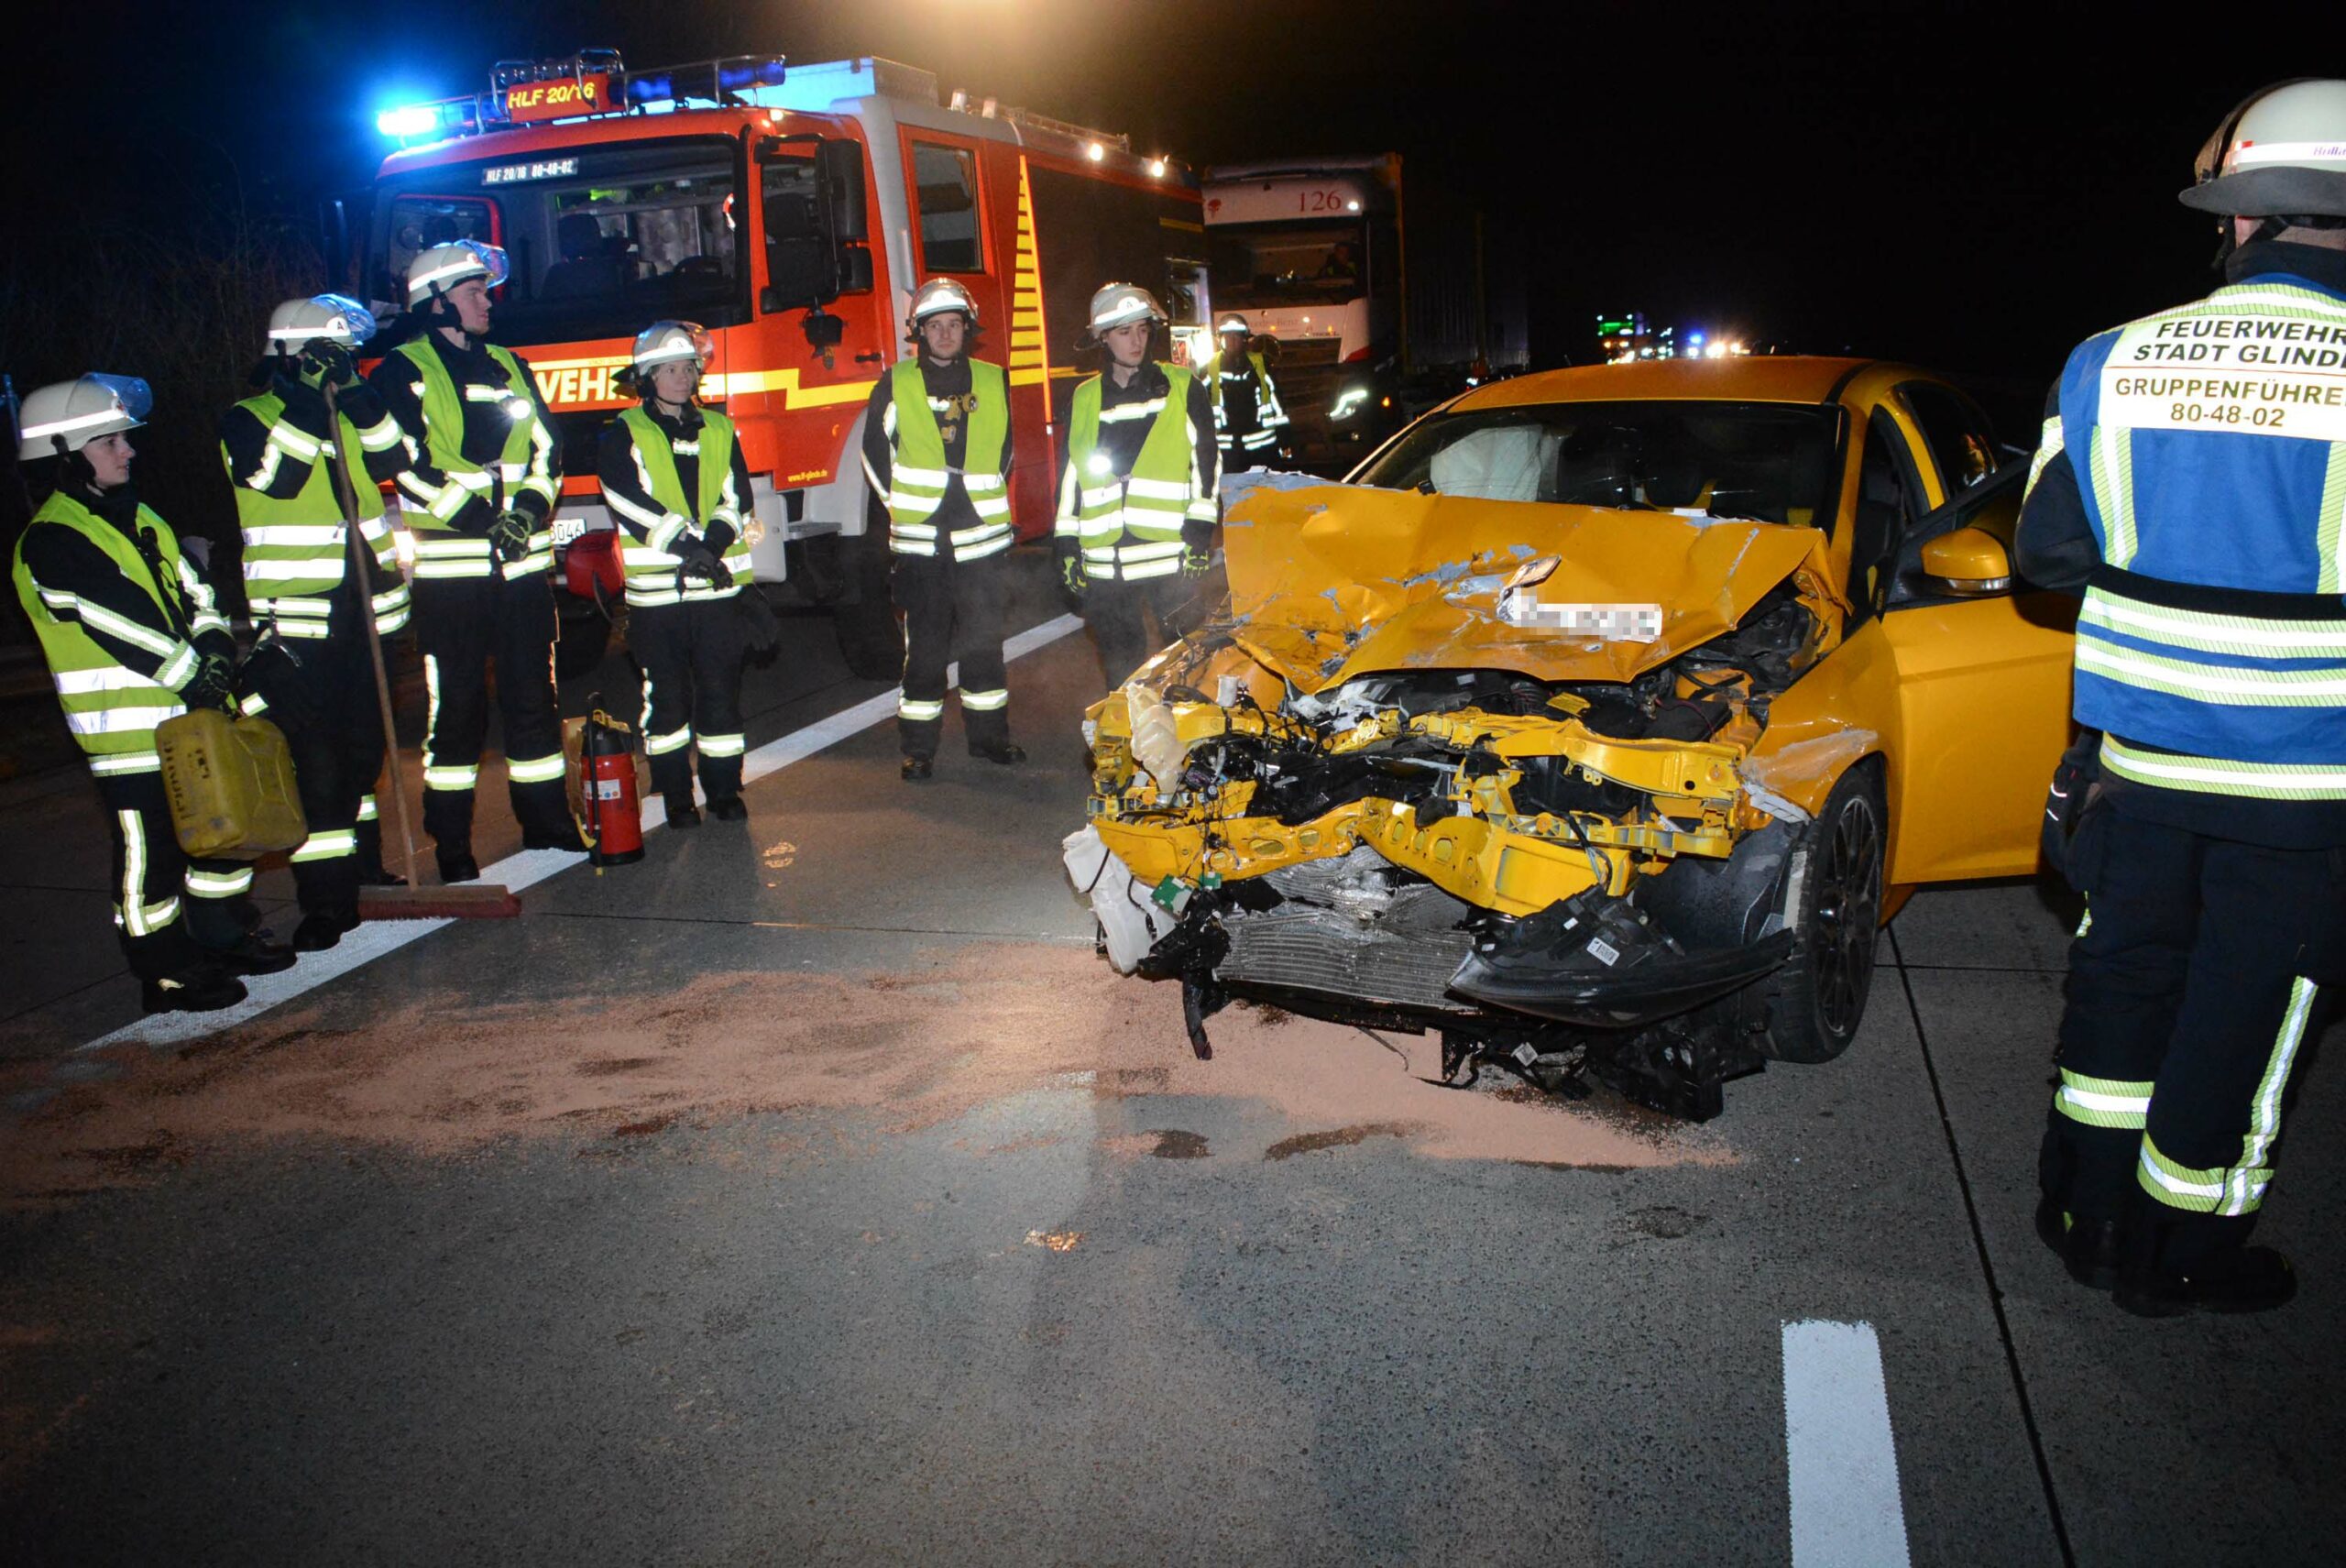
[869,639]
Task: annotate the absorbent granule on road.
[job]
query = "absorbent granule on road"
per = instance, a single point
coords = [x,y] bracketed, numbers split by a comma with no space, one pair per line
[911,1047]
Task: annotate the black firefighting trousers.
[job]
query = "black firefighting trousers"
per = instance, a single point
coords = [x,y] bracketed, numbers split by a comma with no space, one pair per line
[167,908]
[1119,614]
[691,654]
[953,610]
[2194,981]
[335,735]
[463,624]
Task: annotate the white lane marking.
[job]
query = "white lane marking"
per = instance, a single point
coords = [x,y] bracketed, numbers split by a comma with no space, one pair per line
[525,869]
[1844,1463]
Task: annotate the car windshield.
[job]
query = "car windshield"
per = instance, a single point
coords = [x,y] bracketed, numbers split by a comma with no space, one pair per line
[1768,462]
[1264,265]
[602,239]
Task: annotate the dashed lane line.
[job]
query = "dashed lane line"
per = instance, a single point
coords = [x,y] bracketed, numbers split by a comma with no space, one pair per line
[526,869]
[1845,1508]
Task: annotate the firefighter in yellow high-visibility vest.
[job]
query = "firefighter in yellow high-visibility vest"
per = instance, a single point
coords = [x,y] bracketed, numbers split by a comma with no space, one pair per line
[1137,497]
[936,453]
[133,637]
[674,478]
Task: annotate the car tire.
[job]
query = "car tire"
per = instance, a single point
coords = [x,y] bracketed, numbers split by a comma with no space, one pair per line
[1819,999]
[871,641]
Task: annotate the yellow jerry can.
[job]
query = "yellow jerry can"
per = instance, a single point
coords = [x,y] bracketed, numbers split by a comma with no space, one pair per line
[230,782]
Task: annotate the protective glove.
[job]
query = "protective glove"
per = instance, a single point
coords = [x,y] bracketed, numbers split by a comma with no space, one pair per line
[1196,561]
[212,686]
[327,362]
[699,561]
[272,672]
[509,535]
[1072,574]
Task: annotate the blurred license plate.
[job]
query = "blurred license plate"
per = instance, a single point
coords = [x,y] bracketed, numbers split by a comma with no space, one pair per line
[566,529]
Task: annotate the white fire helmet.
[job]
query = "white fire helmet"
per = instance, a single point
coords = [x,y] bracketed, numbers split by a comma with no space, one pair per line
[935,297]
[66,416]
[662,342]
[1118,303]
[2282,153]
[440,269]
[332,318]
[1230,324]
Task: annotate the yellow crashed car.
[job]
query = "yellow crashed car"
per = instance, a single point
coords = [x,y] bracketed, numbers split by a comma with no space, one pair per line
[1597,721]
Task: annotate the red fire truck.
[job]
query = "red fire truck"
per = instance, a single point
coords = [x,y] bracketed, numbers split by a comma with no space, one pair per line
[791,209]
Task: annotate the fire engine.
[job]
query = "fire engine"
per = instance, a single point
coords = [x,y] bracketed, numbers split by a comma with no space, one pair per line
[791,209]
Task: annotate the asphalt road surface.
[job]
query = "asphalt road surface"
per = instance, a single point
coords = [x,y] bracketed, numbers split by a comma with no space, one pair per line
[808,1192]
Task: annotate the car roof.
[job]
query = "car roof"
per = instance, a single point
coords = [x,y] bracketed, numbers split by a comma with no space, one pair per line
[1750,378]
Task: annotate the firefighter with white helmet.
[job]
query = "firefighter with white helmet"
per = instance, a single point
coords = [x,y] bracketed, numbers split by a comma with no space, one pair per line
[937,455]
[675,477]
[484,469]
[133,637]
[1137,484]
[2188,484]
[311,672]
[1247,419]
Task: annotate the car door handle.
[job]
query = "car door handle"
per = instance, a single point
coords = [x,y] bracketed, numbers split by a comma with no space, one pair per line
[868,358]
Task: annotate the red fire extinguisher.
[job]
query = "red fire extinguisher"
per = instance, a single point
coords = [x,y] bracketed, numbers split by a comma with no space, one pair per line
[612,817]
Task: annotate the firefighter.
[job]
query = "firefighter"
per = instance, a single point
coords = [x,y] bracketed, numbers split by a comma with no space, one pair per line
[1248,421]
[312,671]
[1136,506]
[2197,511]
[675,477]
[484,458]
[133,637]
[936,454]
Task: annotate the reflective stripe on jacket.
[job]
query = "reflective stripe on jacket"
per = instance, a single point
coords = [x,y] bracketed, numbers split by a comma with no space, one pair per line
[654,574]
[1130,525]
[2212,444]
[440,551]
[918,473]
[112,709]
[294,555]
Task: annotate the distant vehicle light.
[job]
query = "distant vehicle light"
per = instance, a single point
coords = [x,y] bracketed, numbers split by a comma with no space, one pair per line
[1156,169]
[1353,205]
[1714,351]
[1094,151]
[409,120]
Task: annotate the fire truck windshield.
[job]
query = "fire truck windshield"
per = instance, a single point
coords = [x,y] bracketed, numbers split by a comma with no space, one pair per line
[1266,266]
[603,240]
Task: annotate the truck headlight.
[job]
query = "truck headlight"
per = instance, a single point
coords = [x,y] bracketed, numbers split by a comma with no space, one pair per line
[1348,402]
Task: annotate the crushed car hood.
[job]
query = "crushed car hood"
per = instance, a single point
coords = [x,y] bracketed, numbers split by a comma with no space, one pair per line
[1333,581]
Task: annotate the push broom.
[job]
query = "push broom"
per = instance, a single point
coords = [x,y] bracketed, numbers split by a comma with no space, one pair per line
[473,901]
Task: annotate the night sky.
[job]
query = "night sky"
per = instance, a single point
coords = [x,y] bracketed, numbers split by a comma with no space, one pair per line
[1972,189]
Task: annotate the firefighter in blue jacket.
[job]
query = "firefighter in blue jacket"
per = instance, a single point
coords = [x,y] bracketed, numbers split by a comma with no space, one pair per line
[2190,482]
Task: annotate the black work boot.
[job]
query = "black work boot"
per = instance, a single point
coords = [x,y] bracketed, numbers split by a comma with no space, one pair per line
[915,769]
[457,865]
[322,929]
[253,953]
[730,808]
[681,812]
[199,988]
[565,839]
[2239,1279]
[1005,752]
[2087,1248]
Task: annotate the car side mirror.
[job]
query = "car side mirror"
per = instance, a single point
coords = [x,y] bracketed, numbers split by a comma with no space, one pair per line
[1967,562]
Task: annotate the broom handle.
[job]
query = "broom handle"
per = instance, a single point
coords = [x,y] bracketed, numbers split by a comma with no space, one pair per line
[359,570]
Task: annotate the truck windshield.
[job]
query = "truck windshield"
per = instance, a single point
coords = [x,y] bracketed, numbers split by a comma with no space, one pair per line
[603,240]
[1767,462]
[1264,265]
